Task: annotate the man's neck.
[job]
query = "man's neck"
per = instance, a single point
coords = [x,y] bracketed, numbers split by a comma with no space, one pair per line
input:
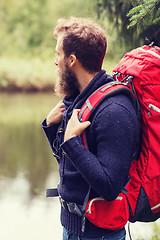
[84,78]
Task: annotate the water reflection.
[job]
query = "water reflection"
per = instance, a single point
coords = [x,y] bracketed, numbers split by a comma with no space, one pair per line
[23,218]
[27,168]
[23,147]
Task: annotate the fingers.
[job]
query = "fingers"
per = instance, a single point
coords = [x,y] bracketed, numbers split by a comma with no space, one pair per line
[74,126]
[61,106]
[86,124]
[75,112]
[82,125]
[55,116]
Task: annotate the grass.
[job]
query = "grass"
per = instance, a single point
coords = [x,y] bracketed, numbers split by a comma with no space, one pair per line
[26,75]
[33,74]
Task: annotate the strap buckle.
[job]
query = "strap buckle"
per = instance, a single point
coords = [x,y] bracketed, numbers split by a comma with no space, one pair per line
[71,207]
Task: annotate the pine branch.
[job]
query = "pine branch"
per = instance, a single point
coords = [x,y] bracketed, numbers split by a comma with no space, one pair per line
[157,20]
[134,10]
[145,13]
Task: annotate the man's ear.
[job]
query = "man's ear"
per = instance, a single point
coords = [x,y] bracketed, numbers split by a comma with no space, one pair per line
[72,60]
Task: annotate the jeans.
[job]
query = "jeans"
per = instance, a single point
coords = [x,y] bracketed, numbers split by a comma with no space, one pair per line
[120,235]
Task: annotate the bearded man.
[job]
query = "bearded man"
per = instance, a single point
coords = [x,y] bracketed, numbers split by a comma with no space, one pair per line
[112,134]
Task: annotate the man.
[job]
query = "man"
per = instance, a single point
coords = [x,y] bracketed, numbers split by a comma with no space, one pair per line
[111,135]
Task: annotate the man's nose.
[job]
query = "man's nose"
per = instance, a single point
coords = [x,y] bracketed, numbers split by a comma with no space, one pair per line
[56,61]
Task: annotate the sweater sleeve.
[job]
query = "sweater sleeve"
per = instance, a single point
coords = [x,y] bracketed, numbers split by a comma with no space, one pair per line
[50,132]
[115,130]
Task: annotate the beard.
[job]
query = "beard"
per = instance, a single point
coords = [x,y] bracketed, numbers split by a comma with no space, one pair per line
[67,83]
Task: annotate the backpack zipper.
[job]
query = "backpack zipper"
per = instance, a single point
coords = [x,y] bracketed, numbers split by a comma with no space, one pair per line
[98,199]
[153,107]
[90,204]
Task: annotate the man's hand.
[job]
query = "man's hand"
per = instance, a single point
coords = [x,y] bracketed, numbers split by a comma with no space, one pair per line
[74,126]
[55,116]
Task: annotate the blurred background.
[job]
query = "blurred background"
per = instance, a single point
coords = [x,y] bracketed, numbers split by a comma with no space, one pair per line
[27,77]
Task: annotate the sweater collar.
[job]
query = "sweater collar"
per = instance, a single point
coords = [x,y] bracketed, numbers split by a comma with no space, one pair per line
[76,102]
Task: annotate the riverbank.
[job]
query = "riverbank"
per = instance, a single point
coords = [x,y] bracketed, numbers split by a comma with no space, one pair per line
[26,75]
[33,75]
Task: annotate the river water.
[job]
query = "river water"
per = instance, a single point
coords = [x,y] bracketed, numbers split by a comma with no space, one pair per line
[28,168]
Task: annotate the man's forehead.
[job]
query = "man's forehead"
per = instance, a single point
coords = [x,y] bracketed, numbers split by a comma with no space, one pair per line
[59,42]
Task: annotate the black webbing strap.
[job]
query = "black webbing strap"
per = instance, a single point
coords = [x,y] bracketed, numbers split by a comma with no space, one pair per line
[84,208]
[52,192]
[71,207]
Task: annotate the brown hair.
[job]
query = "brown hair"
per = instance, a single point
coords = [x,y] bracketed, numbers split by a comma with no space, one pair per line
[85,39]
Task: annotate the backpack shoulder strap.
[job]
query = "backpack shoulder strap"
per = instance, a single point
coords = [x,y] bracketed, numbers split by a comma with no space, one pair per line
[96,98]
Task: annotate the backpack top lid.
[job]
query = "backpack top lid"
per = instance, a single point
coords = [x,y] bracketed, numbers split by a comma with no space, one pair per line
[142,62]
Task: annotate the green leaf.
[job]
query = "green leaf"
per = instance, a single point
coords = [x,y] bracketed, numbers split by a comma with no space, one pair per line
[134,10]
[157,20]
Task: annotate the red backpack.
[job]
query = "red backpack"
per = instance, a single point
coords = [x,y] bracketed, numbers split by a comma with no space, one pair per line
[138,76]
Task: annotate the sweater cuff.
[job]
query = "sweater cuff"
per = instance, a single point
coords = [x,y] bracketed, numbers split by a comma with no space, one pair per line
[72,146]
[48,128]
[44,124]
[50,132]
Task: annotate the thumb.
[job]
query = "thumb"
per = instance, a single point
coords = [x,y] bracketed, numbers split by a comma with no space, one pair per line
[84,125]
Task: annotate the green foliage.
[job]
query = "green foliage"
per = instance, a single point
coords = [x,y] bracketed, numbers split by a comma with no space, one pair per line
[27,43]
[27,26]
[144,13]
[116,12]
[24,26]
[156,232]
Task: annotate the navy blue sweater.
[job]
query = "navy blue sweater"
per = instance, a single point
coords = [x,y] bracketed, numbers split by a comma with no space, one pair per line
[112,139]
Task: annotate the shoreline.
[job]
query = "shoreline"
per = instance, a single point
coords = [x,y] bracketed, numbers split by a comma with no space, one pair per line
[27,89]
